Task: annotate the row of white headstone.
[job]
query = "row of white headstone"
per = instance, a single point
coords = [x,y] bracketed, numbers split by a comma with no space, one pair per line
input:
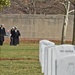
[56,59]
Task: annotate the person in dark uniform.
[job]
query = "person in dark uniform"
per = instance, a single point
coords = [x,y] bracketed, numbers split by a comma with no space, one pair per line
[16,36]
[12,36]
[2,34]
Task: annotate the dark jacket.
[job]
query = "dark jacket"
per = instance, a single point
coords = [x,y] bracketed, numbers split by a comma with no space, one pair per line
[2,34]
[12,31]
[16,35]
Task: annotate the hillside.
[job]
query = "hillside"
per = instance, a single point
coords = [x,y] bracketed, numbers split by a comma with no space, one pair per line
[34,7]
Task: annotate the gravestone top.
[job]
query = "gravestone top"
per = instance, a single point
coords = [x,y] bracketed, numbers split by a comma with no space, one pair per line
[47,42]
[63,50]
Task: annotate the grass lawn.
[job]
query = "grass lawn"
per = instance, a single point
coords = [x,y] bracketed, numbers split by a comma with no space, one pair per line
[20,60]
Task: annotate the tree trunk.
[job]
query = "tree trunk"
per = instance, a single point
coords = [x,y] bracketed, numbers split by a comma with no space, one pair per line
[73,39]
[64,30]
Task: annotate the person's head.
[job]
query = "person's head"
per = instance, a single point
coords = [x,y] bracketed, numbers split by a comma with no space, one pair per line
[12,27]
[15,27]
[2,25]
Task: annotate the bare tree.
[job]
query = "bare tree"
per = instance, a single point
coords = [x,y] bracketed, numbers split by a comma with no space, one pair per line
[64,30]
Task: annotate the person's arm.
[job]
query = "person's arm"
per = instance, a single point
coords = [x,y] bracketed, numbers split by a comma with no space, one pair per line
[4,32]
[19,33]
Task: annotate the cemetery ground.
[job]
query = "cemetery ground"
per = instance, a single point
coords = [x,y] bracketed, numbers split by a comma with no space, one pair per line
[20,60]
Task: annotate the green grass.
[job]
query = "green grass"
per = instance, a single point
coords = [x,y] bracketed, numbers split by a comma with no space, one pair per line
[26,63]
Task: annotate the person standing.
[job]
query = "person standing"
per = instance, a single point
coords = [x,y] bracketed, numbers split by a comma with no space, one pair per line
[2,34]
[11,36]
[16,36]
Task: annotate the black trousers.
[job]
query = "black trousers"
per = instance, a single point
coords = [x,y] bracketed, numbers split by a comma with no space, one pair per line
[1,43]
[11,40]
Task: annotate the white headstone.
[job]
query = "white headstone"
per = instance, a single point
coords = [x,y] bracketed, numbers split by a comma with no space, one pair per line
[56,53]
[65,65]
[46,59]
[42,45]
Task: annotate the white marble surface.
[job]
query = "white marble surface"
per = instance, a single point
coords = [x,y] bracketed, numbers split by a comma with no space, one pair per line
[65,65]
[42,47]
[56,53]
